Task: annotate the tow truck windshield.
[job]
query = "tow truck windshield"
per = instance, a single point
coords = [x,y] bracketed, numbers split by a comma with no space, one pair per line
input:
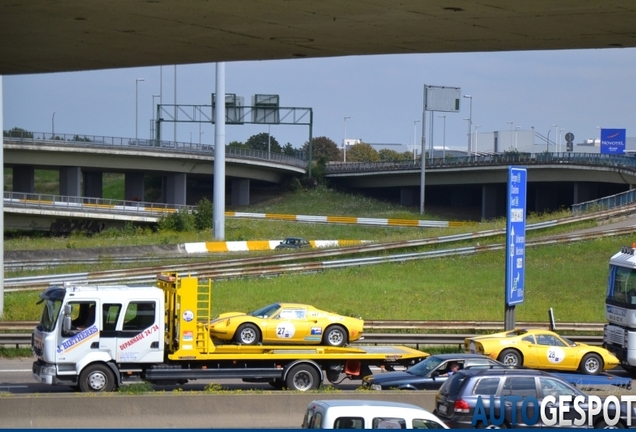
[52,299]
[621,287]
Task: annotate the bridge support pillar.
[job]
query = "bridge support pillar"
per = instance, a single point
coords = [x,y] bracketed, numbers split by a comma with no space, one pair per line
[23,179]
[583,192]
[408,197]
[93,184]
[176,189]
[240,192]
[134,186]
[70,180]
[488,201]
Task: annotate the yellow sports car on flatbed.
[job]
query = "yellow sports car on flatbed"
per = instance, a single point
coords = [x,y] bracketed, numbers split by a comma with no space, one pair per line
[542,349]
[286,323]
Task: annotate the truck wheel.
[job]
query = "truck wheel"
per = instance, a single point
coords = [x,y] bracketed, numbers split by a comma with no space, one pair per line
[303,377]
[335,336]
[592,364]
[97,378]
[247,334]
[511,357]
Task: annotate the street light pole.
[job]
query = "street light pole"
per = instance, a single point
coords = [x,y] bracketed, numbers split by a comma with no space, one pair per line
[470,123]
[444,138]
[53,126]
[137,107]
[152,125]
[556,138]
[476,127]
[510,140]
[547,142]
[516,136]
[344,141]
[415,122]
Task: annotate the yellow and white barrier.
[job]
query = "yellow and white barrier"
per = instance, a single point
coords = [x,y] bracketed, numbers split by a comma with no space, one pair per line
[256,245]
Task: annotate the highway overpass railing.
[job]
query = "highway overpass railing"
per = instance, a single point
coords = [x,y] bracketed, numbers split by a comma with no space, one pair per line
[498,159]
[43,138]
[606,203]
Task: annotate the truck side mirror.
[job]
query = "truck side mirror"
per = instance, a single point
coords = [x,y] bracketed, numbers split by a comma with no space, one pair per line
[66,323]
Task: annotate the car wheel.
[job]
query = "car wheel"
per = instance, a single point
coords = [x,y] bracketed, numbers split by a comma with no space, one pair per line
[303,377]
[592,364]
[511,357]
[602,425]
[483,426]
[97,378]
[335,336]
[247,334]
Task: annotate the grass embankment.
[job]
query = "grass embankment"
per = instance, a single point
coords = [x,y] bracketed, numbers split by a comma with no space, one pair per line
[569,278]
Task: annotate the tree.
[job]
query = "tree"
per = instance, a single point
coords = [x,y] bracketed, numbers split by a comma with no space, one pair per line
[289,150]
[362,152]
[388,155]
[260,142]
[17,132]
[238,144]
[324,147]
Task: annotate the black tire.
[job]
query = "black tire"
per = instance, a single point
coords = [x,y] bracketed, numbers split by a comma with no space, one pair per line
[592,364]
[483,426]
[303,377]
[602,425]
[335,336]
[511,357]
[247,334]
[97,378]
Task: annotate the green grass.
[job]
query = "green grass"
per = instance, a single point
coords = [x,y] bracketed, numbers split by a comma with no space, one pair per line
[568,278]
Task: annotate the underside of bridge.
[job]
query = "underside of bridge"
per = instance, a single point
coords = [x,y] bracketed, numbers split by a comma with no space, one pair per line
[70,35]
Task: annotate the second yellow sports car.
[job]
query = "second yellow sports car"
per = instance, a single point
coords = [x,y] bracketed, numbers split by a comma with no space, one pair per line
[286,323]
[542,349]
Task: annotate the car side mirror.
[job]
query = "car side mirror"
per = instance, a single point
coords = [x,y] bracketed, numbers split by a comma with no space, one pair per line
[434,374]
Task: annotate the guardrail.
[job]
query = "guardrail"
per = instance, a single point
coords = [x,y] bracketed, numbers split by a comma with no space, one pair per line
[470,328]
[23,340]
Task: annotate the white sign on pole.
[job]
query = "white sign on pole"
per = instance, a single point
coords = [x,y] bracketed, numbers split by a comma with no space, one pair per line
[442,98]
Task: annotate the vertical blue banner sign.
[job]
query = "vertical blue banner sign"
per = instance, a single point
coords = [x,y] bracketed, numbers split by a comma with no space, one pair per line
[613,141]
[516,235]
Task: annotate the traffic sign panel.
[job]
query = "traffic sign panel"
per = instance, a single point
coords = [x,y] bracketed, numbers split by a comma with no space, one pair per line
[516,235]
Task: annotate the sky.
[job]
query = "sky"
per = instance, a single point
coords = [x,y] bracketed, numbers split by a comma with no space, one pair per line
[382,96]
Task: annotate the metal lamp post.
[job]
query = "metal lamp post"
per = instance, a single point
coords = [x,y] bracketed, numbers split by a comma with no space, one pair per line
[137,107]
[53,126]
[344,141]
[152,125]
[516,135]
[415,122]
[444,138]
[470,123]
[475,150]
[547,142]
[510,141]
[556,137]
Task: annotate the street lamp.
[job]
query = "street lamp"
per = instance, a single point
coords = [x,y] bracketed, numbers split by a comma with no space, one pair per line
[53,126]
[344,142]
[510,141]
[152,125]
[561,139]
[470,122]
[516,130]
[444,138]
[137,106]
[547,142]
[476,127]
[415,122]
[556,137]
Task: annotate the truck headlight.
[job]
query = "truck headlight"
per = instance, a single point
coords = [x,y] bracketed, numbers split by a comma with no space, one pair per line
[48,370]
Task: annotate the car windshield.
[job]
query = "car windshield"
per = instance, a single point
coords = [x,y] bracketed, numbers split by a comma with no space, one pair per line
[424,367]
[265,312]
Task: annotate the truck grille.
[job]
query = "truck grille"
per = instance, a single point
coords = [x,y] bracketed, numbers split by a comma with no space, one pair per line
[614,335]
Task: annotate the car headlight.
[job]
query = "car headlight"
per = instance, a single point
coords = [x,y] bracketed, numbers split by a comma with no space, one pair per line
[376,387]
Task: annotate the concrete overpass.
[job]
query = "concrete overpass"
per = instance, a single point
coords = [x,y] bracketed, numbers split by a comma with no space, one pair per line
[44,36]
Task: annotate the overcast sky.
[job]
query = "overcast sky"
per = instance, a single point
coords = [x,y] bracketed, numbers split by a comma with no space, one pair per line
[577,90]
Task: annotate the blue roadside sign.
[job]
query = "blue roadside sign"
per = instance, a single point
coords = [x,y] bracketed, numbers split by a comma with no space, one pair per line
[516,235]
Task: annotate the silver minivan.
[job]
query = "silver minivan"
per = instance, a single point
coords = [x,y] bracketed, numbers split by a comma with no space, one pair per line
[368,414]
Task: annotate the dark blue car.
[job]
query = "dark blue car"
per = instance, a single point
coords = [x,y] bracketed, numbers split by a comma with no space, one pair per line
[429,374]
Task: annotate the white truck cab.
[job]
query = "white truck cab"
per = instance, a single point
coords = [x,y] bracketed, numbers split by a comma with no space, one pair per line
[368,414]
